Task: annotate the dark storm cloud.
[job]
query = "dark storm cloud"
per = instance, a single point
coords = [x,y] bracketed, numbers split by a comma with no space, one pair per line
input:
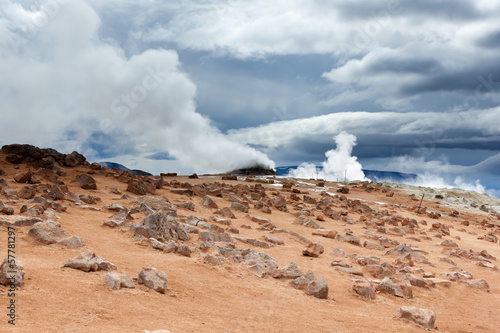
[491,41]
[446,9]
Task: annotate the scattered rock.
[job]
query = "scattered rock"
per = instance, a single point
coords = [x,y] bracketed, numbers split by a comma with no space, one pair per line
[6,209]
[89,262]
[73,242]
[209,202]
[27,192]
[239,207]
[326,233]
[402,290]
[318,288]
[117,220]
[307,222]
[162,227]
[117,281]
[303,281]
[157,204]
[183,250]
[23,177]
[479,284]
[364,290]
[273,240]
[422,317]
[153,279]
[11,273]
[48,232]
[290,271]
[280,204]
[313,250]
[86,182]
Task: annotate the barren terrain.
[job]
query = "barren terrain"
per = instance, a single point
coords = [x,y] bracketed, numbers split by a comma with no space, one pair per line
[203,297]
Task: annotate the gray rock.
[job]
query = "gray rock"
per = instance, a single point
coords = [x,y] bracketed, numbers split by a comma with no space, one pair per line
[209,202]
[423,317]
[307,222]
[158,204]
[303,281]
[27,192]
[364,290]
[117,220]
[88,262]
[183,250]
[168,247]
[48,233]
[73,242]
[86,182]
[239,207]
[162,227]
[318,288]
[290,271]
[11,270]
[226,211]
[117,281]
[6,209]
[153,279]
[313,250]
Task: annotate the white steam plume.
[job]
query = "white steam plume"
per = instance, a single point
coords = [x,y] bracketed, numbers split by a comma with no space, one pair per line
[63,86]
[340,164]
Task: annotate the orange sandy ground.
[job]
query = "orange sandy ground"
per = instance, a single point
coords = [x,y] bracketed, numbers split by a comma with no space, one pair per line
[227,298]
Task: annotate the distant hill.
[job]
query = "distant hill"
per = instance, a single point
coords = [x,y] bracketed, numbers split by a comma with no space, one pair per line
[374,175]
[121,167]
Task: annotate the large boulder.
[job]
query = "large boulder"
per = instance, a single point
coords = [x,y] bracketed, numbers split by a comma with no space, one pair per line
[11,273]
[153,279]
[162,227]
[423,317]
[88,262]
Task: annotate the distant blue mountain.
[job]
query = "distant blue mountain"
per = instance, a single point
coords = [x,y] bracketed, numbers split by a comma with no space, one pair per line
[374,175]
[112,165]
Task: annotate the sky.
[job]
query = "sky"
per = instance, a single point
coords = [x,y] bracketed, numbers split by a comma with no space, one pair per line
[211,86]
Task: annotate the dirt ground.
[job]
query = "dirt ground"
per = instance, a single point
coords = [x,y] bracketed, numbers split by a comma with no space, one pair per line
[228,298]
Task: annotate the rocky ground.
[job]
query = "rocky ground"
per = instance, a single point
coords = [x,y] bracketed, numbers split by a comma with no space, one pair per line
[100,250]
